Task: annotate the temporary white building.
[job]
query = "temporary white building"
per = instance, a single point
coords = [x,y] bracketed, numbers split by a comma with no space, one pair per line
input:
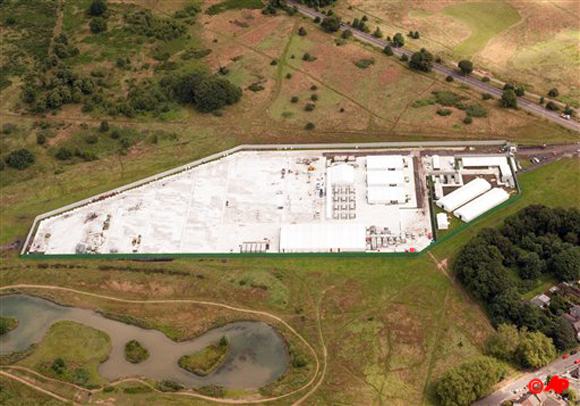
[342,174]
[483,203]
[386,195]
[436,162]
[465,193]
[487,162]
[385,178]
[323,237]
[442,221]
[384,162]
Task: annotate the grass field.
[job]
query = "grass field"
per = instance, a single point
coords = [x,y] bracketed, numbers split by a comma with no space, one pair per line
[485,21]
[533,42]
[81,348]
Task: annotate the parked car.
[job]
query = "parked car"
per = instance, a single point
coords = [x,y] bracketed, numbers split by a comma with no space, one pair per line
[577,361]
[565,356]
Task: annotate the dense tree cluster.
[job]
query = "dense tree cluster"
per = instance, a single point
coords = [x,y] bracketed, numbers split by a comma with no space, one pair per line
[497,266]
[46,92]
[465,66]
[360,25]
[62,49]
[206,93]
[518,90]
[522,347]
[422,60]
[143,22]
[468,382]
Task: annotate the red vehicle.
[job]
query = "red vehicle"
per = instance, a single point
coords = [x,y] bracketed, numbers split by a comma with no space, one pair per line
[577,361]
[565,356]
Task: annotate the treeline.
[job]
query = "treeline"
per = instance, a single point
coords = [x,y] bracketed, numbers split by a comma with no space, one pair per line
[497,266]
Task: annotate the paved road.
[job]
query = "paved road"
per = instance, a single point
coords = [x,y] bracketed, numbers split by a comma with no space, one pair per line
[558,367]
[471,81]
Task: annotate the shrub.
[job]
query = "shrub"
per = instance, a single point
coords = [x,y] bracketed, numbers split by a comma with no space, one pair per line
[274,62]
[444,112]
[80,376]
[388,50]
[404,58]
[316,20]
[115,134]
[298,362]
[135,352]
[509,99]
[446,98]
[449,78]
[104,126]
[308,58]
[63,154]
[302,31]
[486,96]
[467,120]
[365,63]
[91,139]
[20,159]
[313,88]
[309,126]
[255,87]
[314,97]
[552,106]
[294,99]
[422,60]
[98,8]
[40,139]
[553,92]
[398,40]
[346,34]
[58,365]
[309,106]
[476,110]
[485,79]
[167,385]
[98,25]
[288,76]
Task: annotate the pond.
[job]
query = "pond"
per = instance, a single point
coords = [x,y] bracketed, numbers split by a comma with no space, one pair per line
[257,355]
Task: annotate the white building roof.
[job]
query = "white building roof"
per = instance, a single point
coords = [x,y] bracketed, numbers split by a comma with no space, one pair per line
[442,221]
[342,174]
[383,194]
[465,193]
[382,162]
[488,161]
[483,203]
[385,178]
[324,237]
[436,162]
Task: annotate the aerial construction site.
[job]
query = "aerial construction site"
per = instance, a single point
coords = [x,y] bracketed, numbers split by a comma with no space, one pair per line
[286,201]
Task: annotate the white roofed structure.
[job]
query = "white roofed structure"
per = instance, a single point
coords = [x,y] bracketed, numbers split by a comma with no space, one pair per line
[386,195]
[442,221]
[385,178]
[464,194]
[342,174]
[323,237]
[483,203]
[384,162]
[489,161]
[436,162]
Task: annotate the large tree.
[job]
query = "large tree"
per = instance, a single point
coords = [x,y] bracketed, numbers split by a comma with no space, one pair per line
[330,24]
[535,350]
[465,66]
[503,343]
[398,40]
[422,60]
[566,265]
[468,382]
[509,99]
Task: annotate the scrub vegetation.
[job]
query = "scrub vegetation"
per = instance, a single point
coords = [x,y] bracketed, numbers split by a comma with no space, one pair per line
[206,361]
[7,324]
[135,353]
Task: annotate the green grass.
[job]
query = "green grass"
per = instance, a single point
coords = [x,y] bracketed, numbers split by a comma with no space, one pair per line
[206,361]
[135,353]
[80,347]
[485,20]
[543,283]
[7,324]
[234,5]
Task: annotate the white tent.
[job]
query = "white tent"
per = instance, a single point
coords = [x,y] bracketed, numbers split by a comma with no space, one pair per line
[483,203]
[323,237]
[442,221]
[385,178]
[384,162]
[342,174]
[386,195]
[465,193]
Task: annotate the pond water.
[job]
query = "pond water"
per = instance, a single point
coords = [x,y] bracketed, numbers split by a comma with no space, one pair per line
[257,355]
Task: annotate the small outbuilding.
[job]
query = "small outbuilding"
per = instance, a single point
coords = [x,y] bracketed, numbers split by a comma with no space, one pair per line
[442,221]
